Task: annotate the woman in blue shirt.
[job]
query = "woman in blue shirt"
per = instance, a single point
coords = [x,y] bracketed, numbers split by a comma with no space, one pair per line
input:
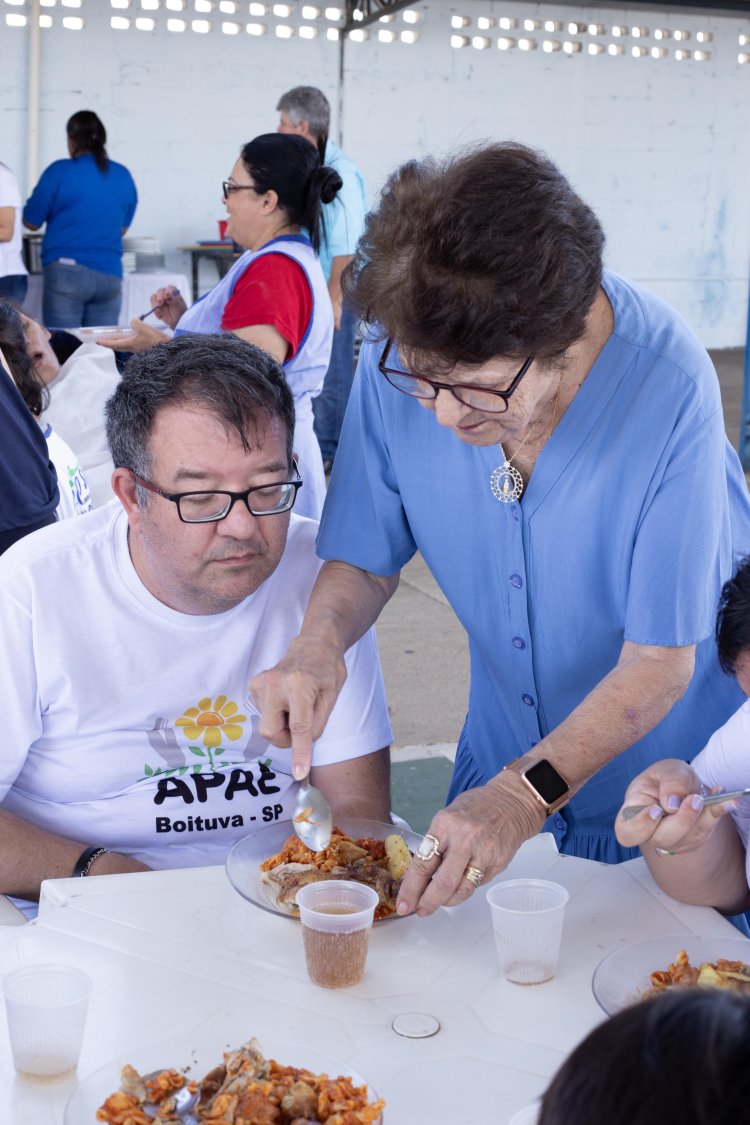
[577,502]
[88,203]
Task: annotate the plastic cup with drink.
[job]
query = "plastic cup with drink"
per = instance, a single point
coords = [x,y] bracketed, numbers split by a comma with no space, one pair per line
[336,916]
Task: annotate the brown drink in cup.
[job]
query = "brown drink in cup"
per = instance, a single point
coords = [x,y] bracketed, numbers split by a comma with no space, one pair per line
[336,916]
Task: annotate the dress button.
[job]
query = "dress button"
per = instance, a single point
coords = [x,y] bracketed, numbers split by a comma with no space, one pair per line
[516,580]
[528,700]
[514,513]
[519,642]
[560,823]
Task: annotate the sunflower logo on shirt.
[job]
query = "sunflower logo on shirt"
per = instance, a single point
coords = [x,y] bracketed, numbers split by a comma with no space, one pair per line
[223,773]
[212,721]
[209,728]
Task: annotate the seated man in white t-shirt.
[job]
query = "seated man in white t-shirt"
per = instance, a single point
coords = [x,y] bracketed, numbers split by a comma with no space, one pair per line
[128,636]
[700,855]
[78,391]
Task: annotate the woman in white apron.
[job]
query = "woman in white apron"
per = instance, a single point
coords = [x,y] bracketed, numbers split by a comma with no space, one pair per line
[275,295]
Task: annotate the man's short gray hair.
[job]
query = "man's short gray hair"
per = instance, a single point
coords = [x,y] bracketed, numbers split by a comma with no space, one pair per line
[307,103]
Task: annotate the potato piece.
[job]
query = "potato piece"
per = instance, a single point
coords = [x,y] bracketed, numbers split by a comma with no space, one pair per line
[398,856]
[709,978]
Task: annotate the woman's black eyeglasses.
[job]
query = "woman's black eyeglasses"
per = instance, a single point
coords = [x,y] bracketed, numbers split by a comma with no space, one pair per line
[209,507]
[480,398]
[228,188]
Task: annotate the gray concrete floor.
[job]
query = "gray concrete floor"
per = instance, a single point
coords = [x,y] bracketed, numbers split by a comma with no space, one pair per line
[423,648]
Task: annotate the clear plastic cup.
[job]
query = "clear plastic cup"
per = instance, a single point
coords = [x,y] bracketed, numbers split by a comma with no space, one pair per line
[46,1009]
[336,916]
[527,916]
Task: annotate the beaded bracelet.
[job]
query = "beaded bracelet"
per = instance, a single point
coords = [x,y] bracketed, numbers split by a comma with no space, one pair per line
[87,859]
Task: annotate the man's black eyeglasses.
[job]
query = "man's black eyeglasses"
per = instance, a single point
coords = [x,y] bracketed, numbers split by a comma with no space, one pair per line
[228,188]
[209,507]
[480,398]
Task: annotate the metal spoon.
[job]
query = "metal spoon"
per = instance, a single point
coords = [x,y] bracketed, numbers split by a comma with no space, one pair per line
[311,816]
[183,1101]
[714,799]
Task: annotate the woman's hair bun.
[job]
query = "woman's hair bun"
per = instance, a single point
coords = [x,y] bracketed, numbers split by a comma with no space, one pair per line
[330,183]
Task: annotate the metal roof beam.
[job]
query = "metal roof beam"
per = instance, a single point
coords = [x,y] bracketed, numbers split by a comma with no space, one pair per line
[370,11]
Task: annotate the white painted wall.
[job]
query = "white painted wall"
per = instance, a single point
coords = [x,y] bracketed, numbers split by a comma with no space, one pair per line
[660,148]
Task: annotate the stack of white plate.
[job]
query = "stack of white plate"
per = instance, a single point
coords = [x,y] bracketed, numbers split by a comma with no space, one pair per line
[148,263]
[145,244]
[145,253]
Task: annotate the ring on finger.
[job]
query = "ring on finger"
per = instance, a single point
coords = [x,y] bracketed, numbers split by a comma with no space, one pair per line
[429,848]
[475,875]
[665,852]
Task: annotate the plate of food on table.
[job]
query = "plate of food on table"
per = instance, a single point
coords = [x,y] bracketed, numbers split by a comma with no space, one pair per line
[210,1084]
[270,865]
[648,968]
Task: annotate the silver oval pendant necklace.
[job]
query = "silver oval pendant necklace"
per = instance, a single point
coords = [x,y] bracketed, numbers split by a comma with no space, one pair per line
[506,483]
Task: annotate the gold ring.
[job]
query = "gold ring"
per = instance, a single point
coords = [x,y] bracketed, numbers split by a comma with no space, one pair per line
[428,849]
[475,875]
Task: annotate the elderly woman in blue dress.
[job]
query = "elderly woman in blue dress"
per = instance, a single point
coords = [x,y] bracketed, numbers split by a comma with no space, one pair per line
[275,294]
[551,438]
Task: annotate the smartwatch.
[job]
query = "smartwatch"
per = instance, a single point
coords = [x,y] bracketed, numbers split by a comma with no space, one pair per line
[548,786]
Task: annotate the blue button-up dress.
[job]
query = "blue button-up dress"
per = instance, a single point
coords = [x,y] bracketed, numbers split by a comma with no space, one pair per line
[635,514]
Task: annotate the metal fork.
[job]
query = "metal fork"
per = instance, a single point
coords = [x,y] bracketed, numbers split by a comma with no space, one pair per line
[713,799]
[159,306]
[183,1101]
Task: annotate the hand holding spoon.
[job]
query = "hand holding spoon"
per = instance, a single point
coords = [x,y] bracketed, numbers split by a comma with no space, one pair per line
[312,818]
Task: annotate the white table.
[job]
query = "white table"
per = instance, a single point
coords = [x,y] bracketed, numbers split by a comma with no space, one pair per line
[179,955]
[136,292]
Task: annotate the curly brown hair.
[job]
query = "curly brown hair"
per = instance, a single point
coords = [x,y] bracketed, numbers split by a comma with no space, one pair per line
[488,253]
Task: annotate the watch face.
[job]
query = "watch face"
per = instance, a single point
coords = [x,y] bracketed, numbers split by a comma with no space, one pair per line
[547,781]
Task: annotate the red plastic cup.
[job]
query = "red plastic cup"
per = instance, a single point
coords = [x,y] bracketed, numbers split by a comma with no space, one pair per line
[222,228]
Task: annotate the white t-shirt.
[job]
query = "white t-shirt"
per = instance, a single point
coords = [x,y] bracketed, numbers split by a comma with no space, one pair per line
[74,490]
[125,723]
[76,410]
[11,259]
[725,761]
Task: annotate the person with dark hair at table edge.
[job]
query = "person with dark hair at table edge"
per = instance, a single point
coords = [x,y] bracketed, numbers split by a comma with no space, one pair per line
[127,640]
[275,295]
[550,437]
[88,203]
[700,855]
[682,1058]
[305,111]
[75,379]
[28,480]
[75,499]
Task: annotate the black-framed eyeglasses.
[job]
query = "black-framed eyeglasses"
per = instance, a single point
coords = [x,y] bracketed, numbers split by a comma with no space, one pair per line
[229,188]
[210,507]
[480,398]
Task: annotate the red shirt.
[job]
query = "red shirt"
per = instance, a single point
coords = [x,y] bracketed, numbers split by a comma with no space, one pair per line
[273,290]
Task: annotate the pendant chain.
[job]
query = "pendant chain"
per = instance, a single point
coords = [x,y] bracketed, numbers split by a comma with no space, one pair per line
[506,482]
